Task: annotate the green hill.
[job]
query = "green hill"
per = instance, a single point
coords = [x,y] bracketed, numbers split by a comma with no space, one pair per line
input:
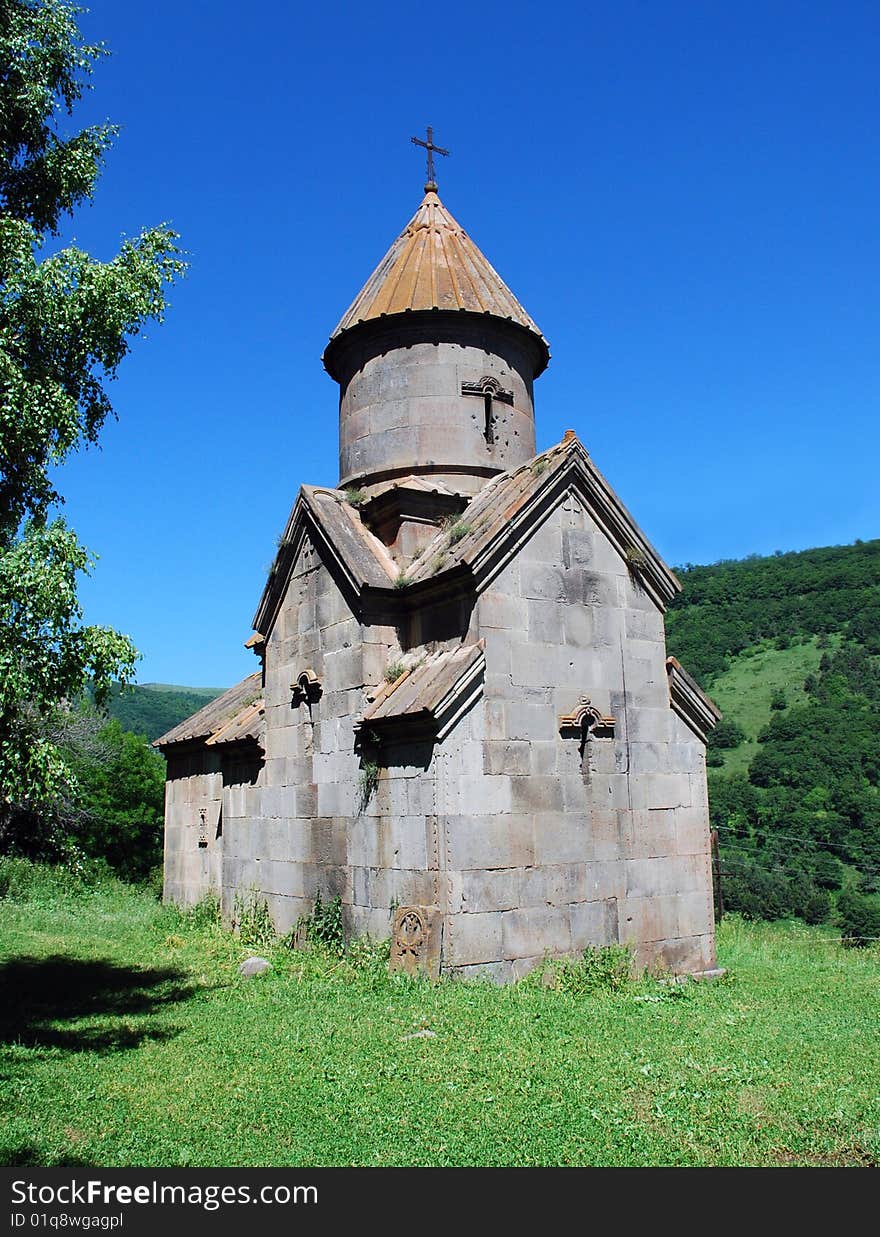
[788,647]
[152,708]
[745,691]
[733,606]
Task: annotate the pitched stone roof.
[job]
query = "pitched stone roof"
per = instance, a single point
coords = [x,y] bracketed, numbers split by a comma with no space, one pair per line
[344,539]
[432,695]
[234,716]
[501,515]
[434,264]
[497,521]
[689,700]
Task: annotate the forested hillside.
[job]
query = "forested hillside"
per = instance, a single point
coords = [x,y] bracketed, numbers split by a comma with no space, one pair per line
[790,644]
[153,708]
[733,605]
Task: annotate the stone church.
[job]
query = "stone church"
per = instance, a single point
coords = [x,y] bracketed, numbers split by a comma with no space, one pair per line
[464,721]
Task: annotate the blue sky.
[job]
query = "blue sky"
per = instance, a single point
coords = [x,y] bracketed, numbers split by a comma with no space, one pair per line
[683,195]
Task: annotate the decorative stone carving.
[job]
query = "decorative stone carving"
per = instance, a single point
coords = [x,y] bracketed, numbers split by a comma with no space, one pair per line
[487,386]
[306,689]
[489,389]
[416,941]
[585,721]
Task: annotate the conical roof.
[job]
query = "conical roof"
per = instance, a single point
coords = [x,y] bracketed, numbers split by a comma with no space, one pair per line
[434,264]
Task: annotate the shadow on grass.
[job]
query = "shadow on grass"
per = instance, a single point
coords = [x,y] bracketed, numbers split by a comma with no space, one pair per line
[104,1004]
[29,1156]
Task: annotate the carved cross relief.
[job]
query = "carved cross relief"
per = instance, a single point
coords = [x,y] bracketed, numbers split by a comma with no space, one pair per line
[416,934]
[306,689]
[488,389]
[585,722]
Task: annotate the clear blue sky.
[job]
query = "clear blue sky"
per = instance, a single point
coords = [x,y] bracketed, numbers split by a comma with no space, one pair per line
[683,195]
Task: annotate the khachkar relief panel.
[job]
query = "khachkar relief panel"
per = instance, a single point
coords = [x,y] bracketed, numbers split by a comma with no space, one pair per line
[416,940]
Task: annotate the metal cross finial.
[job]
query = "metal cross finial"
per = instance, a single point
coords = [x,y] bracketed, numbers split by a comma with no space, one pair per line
[430,184]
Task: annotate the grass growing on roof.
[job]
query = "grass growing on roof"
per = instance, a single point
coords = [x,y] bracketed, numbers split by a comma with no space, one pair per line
[128,1038]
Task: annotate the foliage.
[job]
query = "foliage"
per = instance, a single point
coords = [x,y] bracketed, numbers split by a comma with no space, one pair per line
[355,497]
[811,801]
[744,691]
[761,891]
[368,780]
[111,808]
[601,968]
[859,918]
[252,921]
[26,882]
[727,733]
[121,802]
[45,656]
[791,642]
[324,925]
[828,871]
[393,671]
[65,325]
[206,913]
[732,606]
[458,530]
[118,999]
[152,711]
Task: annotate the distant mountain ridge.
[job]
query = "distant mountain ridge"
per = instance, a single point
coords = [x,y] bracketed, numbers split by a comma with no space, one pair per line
[152,708]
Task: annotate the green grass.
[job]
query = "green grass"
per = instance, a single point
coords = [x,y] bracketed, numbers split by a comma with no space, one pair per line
[743,692]
[129,1039]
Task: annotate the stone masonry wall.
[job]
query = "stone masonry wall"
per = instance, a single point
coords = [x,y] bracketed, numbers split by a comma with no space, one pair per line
[527,847]
[557,851]
[194,785]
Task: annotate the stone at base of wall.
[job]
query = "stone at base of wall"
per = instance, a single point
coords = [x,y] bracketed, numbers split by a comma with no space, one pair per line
[417,940]
[715,972]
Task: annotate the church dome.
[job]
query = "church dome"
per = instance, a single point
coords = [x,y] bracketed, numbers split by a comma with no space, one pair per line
[435,360]
[434,265]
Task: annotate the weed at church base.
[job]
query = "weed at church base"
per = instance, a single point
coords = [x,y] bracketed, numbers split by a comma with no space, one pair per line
[252,921]
[604,968]
[322,927]
[367,783]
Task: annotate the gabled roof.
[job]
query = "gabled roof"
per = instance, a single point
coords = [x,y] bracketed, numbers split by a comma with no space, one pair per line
[434,264]
[689,700]
[429,485]
[229,718]
[506,509]
[337,528]
[499,518]
[248,723]
[431,696]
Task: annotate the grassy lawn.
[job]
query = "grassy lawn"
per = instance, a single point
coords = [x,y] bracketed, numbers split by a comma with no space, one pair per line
[129,1039]
[744,691]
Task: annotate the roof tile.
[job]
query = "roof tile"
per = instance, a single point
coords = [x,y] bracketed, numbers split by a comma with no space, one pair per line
[434,264]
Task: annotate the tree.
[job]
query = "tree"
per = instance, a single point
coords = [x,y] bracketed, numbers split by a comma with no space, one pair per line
[726,734]
[66,321]
[859,918]
[120,804]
